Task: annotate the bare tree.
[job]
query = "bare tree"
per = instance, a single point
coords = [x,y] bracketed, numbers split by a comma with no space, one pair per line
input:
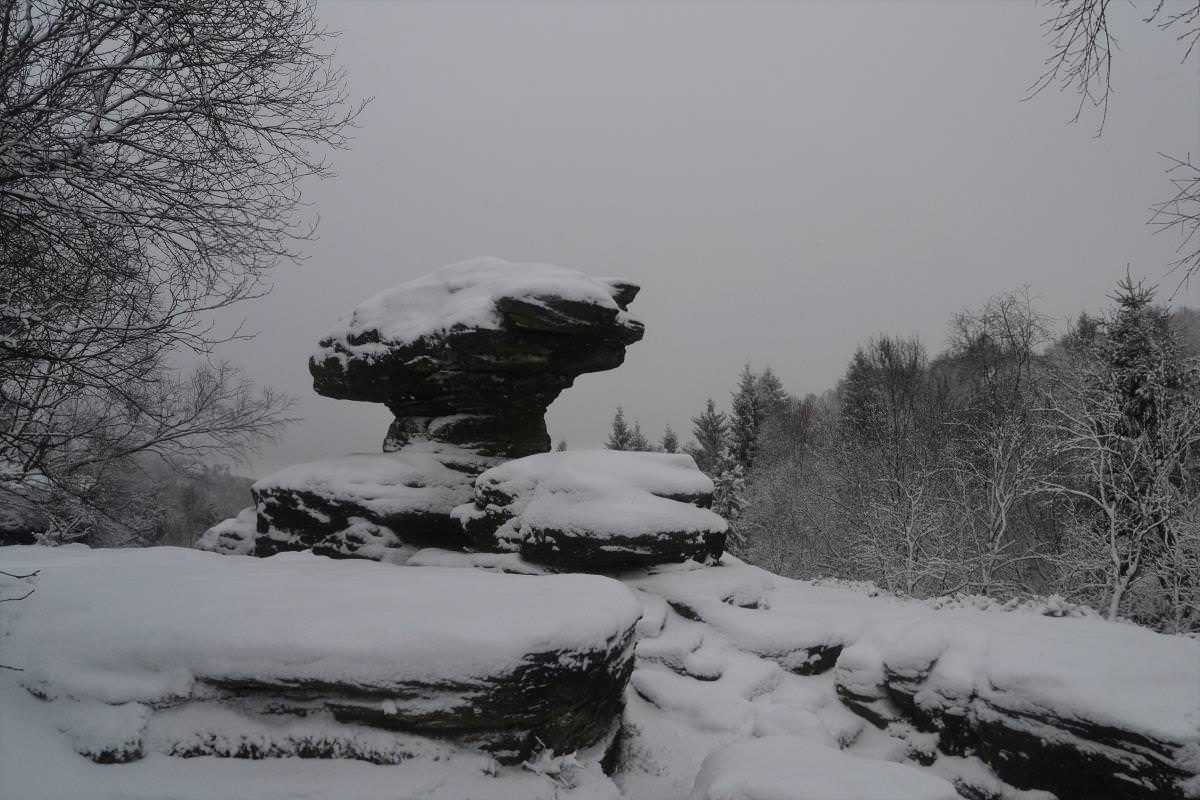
[1083,47]
[999,457]
[151,154]
[1178,572]
[1125,419]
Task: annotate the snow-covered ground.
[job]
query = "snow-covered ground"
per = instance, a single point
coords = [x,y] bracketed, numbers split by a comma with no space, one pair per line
[739,693]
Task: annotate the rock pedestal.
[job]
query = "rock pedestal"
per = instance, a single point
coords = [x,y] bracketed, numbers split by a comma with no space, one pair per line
[474,353]
[467,358]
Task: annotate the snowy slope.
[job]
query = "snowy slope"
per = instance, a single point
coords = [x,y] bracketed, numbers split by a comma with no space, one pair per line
[739,690]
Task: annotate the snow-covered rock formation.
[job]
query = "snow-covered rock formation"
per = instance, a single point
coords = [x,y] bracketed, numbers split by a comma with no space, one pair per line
[474,353]
[594,510]
[504,663]
[424,681]
[467,358]
[1079,708]
[699,678]
[369,505]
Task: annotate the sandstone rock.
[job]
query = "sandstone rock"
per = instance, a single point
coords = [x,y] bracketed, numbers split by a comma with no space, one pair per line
[511,664]
[1032,696]
[367,505]
[596,510]
[473,353]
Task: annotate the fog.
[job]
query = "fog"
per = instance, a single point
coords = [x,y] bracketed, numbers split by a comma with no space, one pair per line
[782,179]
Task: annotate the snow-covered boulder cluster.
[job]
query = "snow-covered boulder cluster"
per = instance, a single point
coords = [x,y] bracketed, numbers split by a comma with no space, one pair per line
[473,353]
[688,675]
[994,700]
[596,510]
[428,681]
[467,358]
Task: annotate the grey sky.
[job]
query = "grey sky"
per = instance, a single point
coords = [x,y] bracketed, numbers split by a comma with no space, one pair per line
[783,180]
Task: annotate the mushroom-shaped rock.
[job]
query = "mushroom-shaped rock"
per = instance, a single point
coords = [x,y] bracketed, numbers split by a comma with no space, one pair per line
[368,505]
[794,768]
[510,664]
[474,353]
[596,510]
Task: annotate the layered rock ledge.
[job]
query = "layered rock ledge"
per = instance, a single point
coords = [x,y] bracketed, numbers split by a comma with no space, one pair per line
[430,652]
[367,505]
[596,510]
[1033,698]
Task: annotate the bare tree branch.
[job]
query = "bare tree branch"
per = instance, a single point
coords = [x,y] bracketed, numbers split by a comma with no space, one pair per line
[151,160]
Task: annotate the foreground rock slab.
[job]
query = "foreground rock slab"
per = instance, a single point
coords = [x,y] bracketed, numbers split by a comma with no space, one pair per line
[596,510]
[509,664]
[1079,707]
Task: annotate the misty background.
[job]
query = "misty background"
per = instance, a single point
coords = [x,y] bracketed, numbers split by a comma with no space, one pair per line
[782,179]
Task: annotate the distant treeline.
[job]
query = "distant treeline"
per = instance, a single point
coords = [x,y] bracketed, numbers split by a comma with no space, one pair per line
[1018,462]
[147,502]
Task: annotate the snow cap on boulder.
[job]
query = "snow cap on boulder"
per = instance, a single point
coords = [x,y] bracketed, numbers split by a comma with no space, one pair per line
[595,510]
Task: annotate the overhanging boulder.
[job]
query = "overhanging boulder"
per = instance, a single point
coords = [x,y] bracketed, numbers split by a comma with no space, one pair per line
[473,353]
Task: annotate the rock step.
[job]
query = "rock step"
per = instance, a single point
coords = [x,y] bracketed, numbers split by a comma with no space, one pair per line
[511,664]
[596,510]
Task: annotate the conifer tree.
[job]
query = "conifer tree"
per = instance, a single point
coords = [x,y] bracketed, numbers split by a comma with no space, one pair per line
[620,437]
[638,440]
[669,442]
[711,431]
[771,394]
[756,399]
[745,417]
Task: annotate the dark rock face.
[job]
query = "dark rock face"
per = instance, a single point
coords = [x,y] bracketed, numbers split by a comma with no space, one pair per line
[596,510]
[474,353]
[575,550]
[368,506]
[298,655]
[556,700]
[1070,757]
[552,699]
